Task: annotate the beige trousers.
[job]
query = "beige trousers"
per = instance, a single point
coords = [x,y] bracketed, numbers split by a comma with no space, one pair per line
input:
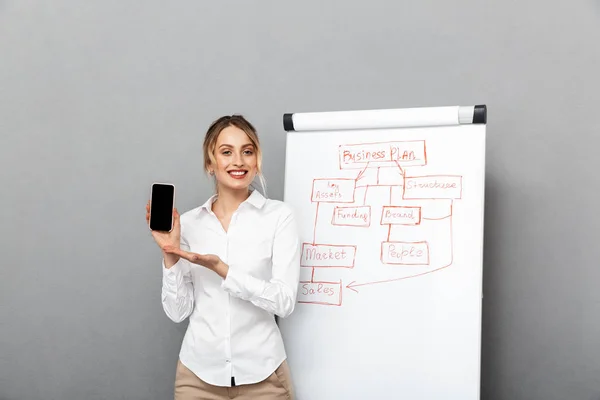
[277,386]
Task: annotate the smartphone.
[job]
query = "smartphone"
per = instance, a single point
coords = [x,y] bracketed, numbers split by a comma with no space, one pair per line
[162,203]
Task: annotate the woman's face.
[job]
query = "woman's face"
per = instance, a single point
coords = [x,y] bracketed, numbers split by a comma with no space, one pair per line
[236,161]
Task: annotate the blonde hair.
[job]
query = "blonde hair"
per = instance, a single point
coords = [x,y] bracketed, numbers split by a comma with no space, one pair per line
[212,134]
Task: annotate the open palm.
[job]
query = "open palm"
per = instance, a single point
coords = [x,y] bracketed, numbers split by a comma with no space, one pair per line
[210,261]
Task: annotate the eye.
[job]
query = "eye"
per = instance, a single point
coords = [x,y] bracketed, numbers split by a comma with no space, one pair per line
[248,152]
[226,152]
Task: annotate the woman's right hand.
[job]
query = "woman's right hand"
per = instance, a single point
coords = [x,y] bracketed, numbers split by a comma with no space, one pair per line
[167,239]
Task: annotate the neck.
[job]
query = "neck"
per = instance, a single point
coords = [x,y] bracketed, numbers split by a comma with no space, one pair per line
[229,200]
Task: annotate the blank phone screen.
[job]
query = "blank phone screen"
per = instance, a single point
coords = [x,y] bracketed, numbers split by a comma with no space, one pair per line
[161,207]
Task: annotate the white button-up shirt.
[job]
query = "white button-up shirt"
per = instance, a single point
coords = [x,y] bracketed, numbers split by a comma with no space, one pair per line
[232,330]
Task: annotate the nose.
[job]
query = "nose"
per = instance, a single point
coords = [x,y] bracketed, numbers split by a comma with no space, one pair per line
[238,160]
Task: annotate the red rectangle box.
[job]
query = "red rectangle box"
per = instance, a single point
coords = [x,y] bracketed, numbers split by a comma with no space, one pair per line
[327,255]
[333,190]
[405,253]
[326,293]
[432,187]
[383,154]
[400,215]
[352,216]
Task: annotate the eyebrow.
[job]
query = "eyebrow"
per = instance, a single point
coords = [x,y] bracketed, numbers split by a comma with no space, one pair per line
[228,145]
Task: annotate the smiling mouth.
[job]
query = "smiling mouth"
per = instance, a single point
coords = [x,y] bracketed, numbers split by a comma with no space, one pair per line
[237,173]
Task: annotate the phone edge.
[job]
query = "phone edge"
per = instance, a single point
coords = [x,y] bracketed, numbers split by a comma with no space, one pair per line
[172,206]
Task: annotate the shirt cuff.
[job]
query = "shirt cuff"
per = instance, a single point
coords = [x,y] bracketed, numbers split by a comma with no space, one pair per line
[242,285]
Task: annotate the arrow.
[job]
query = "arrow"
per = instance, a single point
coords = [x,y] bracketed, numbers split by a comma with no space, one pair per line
[361,173]
[351,285]
[399,167]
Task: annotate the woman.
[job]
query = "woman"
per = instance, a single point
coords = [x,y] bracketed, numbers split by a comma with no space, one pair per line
[231,265]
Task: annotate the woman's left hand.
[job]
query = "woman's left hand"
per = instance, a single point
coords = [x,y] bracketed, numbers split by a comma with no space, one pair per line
[210,261]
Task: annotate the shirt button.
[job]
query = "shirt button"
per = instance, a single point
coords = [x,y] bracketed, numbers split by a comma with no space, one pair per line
[227,361]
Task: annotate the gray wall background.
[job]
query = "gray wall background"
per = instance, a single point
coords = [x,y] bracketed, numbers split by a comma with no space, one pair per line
[99,99]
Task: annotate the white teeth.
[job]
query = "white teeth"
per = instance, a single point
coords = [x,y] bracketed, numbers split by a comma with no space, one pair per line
[237,173]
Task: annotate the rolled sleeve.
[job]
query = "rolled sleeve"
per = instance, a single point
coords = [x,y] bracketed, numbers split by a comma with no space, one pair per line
[177,289]
[243,285]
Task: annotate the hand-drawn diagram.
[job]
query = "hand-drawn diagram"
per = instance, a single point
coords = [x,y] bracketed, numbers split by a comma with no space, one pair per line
[414,201]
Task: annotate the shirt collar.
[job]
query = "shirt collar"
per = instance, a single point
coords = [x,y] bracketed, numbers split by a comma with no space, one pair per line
[255,199]
[208,204]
